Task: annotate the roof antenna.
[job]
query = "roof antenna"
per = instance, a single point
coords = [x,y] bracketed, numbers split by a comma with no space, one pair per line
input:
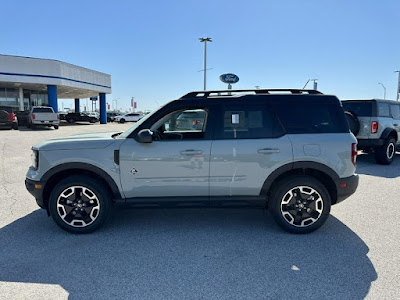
[306,84]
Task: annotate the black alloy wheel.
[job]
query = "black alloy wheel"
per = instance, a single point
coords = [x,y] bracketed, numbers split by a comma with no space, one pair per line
[80,204]
[300,204]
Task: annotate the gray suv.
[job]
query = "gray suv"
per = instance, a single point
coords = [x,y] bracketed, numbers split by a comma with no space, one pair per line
[288,150]
[376,124]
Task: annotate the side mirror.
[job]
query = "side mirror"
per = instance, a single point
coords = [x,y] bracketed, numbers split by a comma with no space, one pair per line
[145,136]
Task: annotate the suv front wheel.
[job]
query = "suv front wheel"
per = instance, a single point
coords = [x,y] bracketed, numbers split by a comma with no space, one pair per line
[79,204]
[300,204]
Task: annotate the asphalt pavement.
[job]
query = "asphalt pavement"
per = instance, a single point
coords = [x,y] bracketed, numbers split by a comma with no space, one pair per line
[193,253]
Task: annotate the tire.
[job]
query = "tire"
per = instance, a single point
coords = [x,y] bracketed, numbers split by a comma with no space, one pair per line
[353,121]
[55,126]
[384,155]
[15,126]
[71,206]
[71,120]
[122,121]
[92,121]
[313,202]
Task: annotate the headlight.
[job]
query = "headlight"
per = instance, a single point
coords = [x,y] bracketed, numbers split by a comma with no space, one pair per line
[35,159]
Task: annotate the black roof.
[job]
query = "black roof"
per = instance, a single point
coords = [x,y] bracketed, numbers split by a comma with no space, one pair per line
[239,93]
[271,95]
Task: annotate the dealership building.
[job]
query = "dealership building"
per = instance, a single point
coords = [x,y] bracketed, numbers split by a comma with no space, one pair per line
[27,82]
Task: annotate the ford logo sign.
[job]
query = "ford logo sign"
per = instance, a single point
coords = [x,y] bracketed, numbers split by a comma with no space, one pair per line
[229,78]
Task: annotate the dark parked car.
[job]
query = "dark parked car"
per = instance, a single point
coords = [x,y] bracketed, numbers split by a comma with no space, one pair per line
[111,116]
[7,118]
[80,117]
[62,115]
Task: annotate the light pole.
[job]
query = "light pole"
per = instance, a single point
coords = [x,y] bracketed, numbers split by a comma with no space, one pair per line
[116,104]
[205,40]
[315,83]
[384,90]
[398,86]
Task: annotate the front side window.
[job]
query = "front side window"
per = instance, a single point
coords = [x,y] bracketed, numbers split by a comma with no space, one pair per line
[181,125]
[249,121]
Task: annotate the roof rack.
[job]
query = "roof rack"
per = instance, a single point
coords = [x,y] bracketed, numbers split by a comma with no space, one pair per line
[224,93]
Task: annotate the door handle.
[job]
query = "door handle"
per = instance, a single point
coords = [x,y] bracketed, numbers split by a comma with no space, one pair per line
[191,152]
[268,151]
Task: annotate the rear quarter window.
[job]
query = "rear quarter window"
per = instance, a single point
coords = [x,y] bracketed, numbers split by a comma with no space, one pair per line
[300,117]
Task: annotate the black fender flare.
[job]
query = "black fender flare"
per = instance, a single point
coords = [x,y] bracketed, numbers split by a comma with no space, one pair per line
[297,165]
[86,167]
[387,132]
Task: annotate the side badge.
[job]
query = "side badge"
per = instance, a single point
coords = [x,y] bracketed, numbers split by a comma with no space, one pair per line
[134,171]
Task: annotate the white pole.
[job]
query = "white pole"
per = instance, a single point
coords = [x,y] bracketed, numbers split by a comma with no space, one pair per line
[205,40]
[398,87]
[384,90]
[21,99]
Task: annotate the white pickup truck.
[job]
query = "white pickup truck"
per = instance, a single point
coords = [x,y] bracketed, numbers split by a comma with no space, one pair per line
[43,116]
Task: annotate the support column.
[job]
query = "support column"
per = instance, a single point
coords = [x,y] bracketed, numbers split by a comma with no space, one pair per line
[21,99]
[52,96]
[77,109]
[103,112]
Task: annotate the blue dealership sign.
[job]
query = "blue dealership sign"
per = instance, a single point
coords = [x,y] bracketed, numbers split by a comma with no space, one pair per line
[229,78]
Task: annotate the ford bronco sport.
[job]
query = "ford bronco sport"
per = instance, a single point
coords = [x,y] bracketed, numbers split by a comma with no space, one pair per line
[288,150]
[376,124]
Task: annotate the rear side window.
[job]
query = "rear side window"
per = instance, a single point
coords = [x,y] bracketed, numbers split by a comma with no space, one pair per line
[42,110]
[383,110]
[359,108]
[395,111]
[250,121]
[303,117]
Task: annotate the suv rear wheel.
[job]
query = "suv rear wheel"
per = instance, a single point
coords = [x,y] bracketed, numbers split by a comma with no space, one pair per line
[300,204]
[384,155]
[79,204]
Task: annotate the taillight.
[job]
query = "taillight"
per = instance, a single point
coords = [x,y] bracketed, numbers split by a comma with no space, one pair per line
[11,117]
[354,153]
[58,116]
[33,116]
[374,127]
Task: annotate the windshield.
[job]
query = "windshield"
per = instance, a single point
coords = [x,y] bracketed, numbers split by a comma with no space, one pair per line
[138,123]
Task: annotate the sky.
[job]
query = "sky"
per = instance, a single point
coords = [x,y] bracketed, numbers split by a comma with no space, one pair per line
[153,53]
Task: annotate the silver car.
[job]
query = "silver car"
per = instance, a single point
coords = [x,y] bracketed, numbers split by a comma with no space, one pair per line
[290,151]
